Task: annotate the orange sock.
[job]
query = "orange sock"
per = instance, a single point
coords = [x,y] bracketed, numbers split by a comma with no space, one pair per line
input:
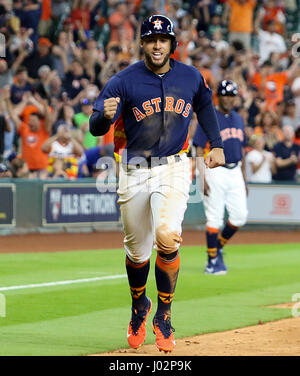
[166,273]
[212,241]
[137,278]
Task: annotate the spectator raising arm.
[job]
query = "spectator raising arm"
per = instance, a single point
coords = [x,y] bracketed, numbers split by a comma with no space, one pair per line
[46,147]
[7,124]
[12,114]
[226,14]
[19,60]
[44,109]
[68,145]
[47,114]
[294,69]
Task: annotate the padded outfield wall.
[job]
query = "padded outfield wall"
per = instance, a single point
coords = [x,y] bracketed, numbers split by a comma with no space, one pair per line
[81,205]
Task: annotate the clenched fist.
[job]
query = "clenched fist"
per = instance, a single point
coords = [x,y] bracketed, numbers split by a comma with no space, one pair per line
[110,107]
[215,158]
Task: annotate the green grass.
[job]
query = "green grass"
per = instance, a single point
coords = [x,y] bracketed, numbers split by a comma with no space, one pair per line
[93,317]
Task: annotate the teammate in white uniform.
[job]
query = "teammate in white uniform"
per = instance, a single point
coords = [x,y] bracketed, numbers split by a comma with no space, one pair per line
[225,186]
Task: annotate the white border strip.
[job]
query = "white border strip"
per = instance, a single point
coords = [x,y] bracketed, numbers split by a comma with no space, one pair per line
[63,283]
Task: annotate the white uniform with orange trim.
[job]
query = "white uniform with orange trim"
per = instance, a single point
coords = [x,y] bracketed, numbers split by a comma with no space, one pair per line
[153,202]
[226,184]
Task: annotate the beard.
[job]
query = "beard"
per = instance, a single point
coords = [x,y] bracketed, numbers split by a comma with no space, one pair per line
[154,64]
[225,106]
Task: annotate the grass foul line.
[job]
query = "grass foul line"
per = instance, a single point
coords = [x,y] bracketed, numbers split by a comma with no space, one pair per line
[62,283]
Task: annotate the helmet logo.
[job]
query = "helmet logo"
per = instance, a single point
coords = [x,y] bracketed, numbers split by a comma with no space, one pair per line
[157,24]
[229,87]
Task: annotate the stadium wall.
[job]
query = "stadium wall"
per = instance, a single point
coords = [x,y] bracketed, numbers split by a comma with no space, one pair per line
[83,205]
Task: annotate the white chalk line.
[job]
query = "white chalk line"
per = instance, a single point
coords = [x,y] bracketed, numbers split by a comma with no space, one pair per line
[63,283]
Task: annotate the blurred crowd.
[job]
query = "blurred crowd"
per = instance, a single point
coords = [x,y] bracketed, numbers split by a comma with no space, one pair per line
[58,55]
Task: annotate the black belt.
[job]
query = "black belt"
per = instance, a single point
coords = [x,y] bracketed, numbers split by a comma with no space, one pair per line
[151,162]
[230,166]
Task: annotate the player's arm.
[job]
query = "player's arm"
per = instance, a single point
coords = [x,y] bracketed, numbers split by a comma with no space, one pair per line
[200,165]
[200,143]
[209,123]
[207,118]
[107,107]
[100,123]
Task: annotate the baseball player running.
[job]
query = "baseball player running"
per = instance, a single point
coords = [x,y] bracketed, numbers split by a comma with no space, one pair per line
[151,104]
[225,186]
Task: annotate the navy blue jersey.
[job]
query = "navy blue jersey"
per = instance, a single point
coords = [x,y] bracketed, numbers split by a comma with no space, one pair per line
[284,152]
[154,112]
[18,92]
[233,136]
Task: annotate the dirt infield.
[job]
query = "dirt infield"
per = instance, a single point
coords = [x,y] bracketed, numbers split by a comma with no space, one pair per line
[105,240]
[275,338]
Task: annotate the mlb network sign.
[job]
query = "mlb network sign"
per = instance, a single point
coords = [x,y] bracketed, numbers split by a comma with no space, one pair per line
[2,45]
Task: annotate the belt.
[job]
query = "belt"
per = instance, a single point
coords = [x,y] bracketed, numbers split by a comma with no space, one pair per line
[230,166]
[151,162]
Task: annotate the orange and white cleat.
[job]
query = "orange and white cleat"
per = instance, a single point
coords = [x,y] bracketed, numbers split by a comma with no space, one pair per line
[163,330]
[136,334]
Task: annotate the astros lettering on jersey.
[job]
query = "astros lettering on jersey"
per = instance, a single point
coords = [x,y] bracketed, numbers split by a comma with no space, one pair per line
[156,113]
[232,133]
[154,105]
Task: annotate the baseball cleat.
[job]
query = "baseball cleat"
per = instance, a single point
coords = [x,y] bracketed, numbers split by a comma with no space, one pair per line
[136,334]
[163,330]
[216,265]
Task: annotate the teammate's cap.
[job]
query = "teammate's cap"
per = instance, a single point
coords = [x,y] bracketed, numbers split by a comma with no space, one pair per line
[159,24]
[227,88]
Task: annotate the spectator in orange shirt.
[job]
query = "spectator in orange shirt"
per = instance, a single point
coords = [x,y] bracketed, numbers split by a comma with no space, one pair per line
[80,14]
[274,12]
[29,105]
[33,134]
[45,21]
[271,84]
[269,41]
[122,23]
[205,71]
[240,21]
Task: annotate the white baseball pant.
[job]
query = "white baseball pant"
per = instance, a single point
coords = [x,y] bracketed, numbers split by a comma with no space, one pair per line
[153,202]
[226,190]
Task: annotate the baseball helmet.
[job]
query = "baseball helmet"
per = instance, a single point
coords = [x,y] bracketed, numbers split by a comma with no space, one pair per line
[159,24]
[227,88]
